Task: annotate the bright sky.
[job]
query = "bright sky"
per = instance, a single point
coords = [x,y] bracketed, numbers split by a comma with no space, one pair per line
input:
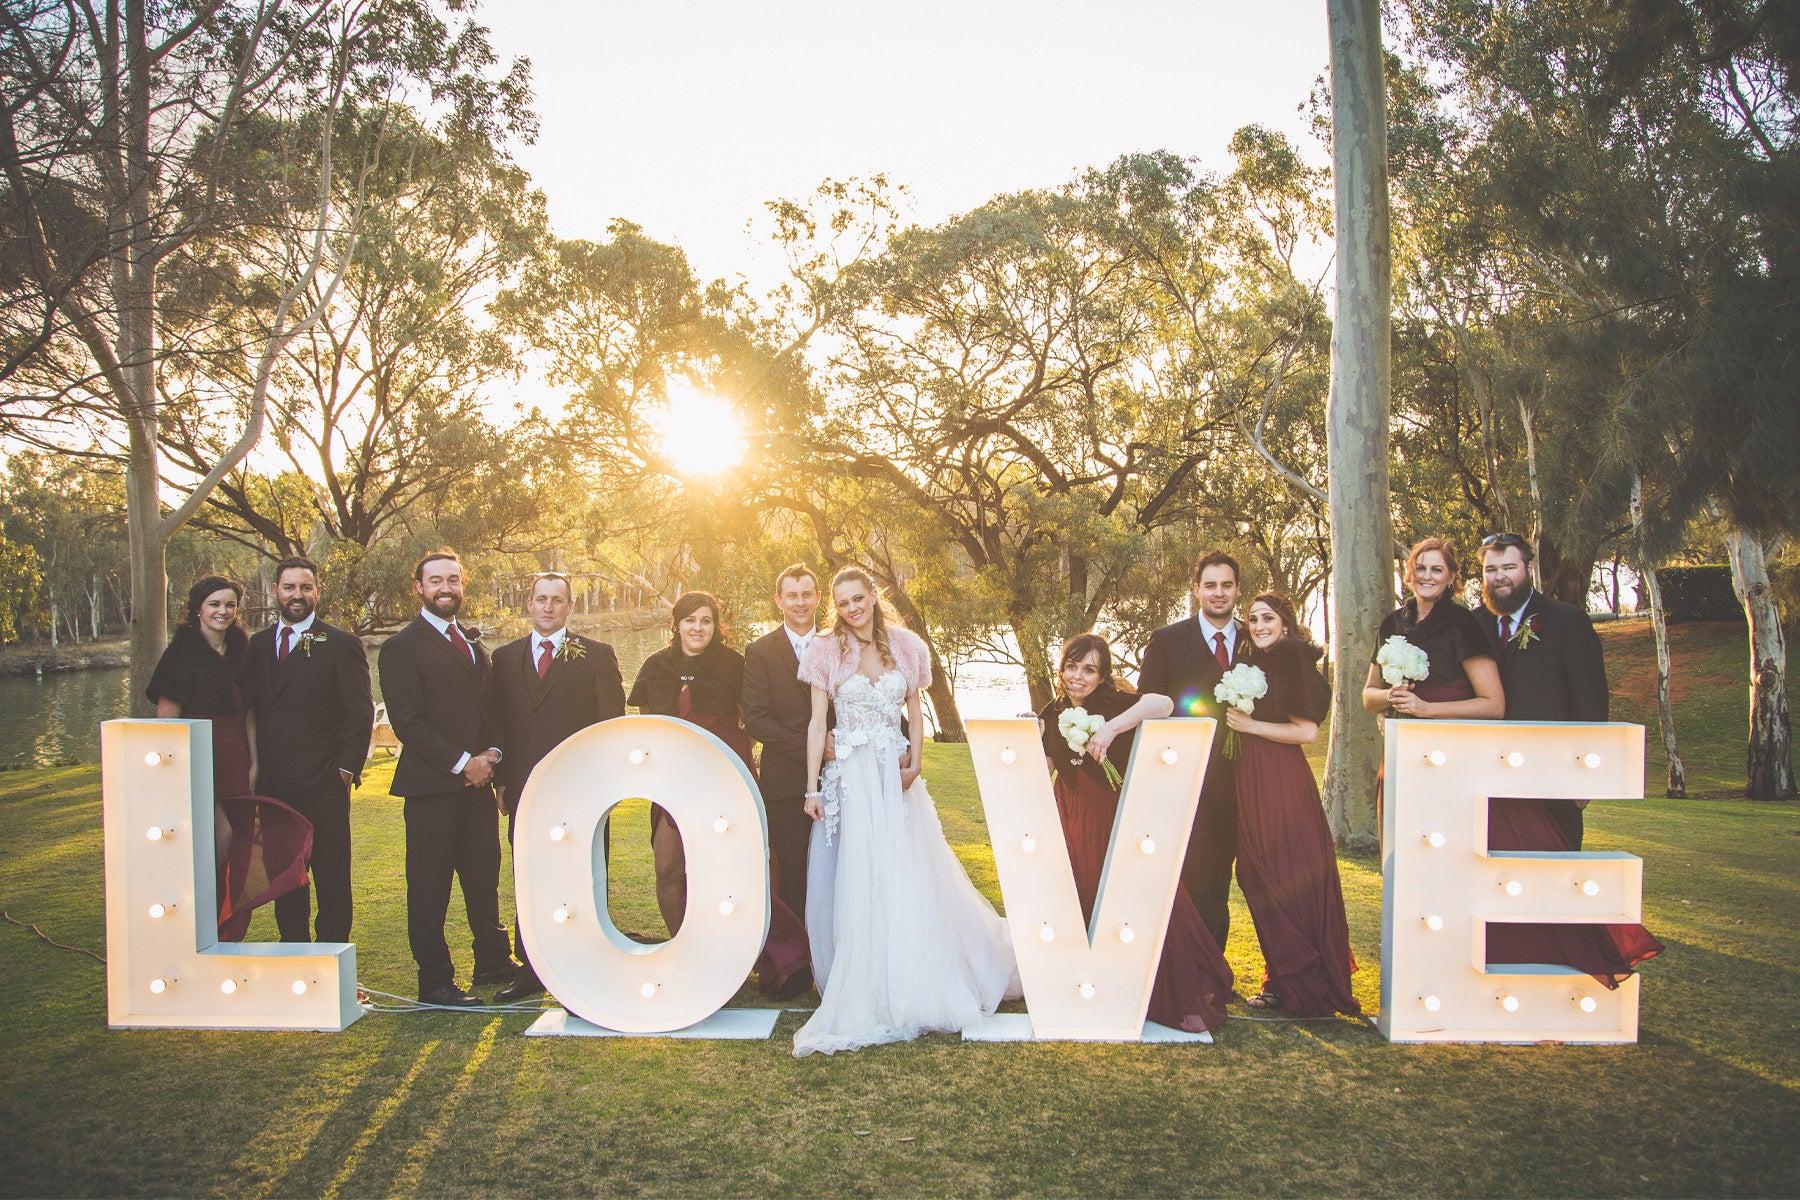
[686,117]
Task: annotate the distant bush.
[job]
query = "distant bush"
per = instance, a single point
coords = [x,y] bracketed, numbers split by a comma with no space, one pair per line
[1699,594]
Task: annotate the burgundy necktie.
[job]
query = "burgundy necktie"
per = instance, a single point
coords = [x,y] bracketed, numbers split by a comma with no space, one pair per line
[456,635]
[545,650]
[1219,651]
[281,648]
[1505,626]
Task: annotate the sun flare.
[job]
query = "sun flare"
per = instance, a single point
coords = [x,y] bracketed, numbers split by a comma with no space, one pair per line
[698,433]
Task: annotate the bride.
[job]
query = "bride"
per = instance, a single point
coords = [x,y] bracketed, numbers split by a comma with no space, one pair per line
[902,943]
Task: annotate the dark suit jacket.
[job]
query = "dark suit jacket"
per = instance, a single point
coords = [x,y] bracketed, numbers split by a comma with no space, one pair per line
[1179,663]
[777,710]
[313,711]
[433,695]
[528,717]
[1561,674]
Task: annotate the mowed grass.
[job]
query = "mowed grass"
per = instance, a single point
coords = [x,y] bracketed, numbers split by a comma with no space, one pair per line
[461,1104]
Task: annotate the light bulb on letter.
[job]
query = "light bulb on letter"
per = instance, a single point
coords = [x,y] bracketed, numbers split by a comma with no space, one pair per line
[1437,758]
[727,907]
[1434,923]
[721,825]
[1148,845]
[1586,1004]
[159,986]
[1590,761]
[1590,887]
[561,916]
[159,911]
[558,832]
[153,759]
[1046,934]
[647,991]
[1515,759]
[1513,887]
[1028,844]
[158,833]
[638,756]
[1169,756]
[1435,840]
[1087,991]
[1431,1003]
[1009,756]
[229,987]
[1508,1001]
[1127,934]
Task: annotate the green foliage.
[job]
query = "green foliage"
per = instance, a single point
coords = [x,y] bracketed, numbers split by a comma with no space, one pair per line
[1701,593]
[19,580]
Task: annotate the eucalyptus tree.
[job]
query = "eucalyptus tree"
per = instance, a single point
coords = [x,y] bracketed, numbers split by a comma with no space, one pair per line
[128,134]
[1644,176]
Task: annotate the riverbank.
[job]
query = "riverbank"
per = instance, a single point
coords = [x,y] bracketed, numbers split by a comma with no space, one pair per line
[35,658]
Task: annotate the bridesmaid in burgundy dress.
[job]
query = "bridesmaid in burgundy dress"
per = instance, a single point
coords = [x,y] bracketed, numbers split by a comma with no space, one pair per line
[1464,684]
[1193,981]
[1287,863]
[700,679]
[261,845]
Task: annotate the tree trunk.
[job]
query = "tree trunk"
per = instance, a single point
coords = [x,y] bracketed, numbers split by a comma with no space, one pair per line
[1357,409]
[1769,767]
[1563,573]
[1664,710]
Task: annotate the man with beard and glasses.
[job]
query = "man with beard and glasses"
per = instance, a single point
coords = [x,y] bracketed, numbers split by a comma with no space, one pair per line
[308,683]
[432,673]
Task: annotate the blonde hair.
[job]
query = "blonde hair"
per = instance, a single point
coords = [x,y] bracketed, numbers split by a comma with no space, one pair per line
[884,614]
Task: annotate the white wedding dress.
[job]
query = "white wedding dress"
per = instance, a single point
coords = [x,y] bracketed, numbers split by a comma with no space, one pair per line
[902,943]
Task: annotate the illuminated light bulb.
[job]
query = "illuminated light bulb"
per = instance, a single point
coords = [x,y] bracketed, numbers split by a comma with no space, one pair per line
[1009,756]
[1087,991]
[1508,1001]
[159,911]
[1437,758]
[638,756]
[153,759]
[727,907]
[1586,1004]
[1590,761]
[158,833]
[159,986]
[1435,840]
[1127,934]
[1513,887]
[558,832]
[648,991]
[1046,934]
[1028,844]
[1589,887]
[561,916]
[299,986]
[1515,759]
[722,825]
[1169,756]
[1434,923]
[1431,1003]
[229,987]
[1148,845]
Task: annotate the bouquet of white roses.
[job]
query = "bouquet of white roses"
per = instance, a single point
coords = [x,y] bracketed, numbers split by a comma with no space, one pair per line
[1240,688]
[1401,662]
[1077,726]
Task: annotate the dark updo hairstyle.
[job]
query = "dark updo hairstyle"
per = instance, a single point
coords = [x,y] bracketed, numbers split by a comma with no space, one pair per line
[237,638]
[1284,608]
[1078,648]
[686,605]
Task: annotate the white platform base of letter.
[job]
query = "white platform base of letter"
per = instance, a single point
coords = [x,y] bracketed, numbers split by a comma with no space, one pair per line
[727,1024]
[1016,1027]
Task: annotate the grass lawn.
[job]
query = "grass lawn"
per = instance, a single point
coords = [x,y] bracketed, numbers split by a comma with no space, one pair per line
[458,1103]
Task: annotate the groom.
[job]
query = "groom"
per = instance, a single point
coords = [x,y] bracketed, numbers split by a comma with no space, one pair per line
[1185,662]
[777,709]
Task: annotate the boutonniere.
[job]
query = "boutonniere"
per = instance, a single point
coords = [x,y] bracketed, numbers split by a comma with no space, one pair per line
[305,641]
[471,633]
[1530,630]
[570,648]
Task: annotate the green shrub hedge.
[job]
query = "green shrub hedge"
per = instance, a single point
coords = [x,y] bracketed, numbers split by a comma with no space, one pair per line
[1699,593]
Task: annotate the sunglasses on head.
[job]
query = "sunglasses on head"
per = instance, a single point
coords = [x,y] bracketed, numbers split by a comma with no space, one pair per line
[1505,540]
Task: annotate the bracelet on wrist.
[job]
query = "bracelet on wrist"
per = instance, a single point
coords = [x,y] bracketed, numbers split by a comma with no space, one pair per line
[815,796]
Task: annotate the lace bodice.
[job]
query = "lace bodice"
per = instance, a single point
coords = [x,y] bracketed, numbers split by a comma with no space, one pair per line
[868,723]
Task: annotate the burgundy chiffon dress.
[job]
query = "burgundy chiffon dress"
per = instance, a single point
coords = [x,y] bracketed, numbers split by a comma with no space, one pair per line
[705,689]
[1449,635]
[270,842]
[1193,981]
[1286,860]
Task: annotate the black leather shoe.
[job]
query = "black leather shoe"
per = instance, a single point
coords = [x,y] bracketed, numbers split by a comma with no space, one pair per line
[527,984]
[489,976]
[449,996]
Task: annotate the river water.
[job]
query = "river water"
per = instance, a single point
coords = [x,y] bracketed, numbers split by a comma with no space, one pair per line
[57,717]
